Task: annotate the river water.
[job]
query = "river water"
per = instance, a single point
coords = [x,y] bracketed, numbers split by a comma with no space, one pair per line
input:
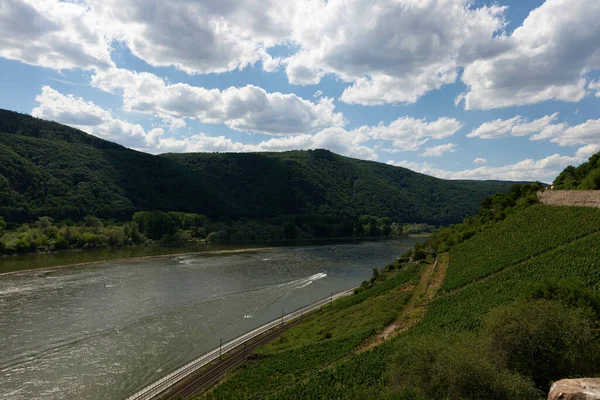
[103,331]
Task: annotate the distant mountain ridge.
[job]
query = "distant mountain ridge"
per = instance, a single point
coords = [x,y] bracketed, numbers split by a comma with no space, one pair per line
[51,169]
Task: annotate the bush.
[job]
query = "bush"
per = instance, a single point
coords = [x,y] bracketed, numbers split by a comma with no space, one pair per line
[543,340]
[454,368]
[213,237]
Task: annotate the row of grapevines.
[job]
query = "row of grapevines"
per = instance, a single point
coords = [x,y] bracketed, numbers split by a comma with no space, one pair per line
[523,235]
[578,261]
[283,369]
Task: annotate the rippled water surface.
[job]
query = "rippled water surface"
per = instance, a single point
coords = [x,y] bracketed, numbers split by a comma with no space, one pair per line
[102,331]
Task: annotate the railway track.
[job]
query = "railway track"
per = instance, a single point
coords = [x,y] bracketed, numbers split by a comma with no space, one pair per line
[206,378]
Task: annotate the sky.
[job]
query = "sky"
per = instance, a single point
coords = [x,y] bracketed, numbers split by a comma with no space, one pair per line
[458,89]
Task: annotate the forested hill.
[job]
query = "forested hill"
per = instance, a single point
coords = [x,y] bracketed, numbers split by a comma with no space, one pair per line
[51,169]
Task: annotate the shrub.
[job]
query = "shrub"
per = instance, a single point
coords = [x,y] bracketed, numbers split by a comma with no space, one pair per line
[213,237]
[453,368]
[543,340]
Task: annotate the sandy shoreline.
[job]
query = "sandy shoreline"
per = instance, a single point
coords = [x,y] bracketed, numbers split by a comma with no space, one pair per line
[55,267]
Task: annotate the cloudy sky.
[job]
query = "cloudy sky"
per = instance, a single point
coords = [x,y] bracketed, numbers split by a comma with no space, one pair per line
[506,89]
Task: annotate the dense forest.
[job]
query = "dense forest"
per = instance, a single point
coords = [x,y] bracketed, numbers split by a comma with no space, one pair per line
[584,177]
[48,169]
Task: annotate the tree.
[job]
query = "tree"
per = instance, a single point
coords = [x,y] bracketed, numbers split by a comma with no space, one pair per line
[2,225]
[213,237]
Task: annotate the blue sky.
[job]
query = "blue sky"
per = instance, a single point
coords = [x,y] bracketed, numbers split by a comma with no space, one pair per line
[458,89]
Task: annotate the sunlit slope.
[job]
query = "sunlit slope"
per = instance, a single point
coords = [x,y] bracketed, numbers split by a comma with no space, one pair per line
[541,245]
[523,235]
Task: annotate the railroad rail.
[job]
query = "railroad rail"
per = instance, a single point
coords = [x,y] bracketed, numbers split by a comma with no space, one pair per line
[156,389]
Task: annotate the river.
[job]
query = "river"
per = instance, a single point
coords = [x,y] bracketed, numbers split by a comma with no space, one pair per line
[102,331]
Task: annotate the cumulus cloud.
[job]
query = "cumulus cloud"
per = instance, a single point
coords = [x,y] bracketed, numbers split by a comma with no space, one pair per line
[587,133]
[401,50]
[516,126]
[337,140]
[544,170]
[548,58]
[53,34]
[393,51]
[595,87]
[409,134]
[91,118]
[247,108]
[480,160]
[437,151]
[199,36]
[545,128]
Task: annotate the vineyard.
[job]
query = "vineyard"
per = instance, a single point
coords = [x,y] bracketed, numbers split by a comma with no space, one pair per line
[576,263]
[521,236]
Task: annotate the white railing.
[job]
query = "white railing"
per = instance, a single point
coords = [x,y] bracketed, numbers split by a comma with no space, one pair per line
[167,381]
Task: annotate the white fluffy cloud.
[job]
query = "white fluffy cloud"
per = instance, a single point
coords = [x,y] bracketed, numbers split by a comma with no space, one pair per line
[480,161]
[247,108]
[595,87]
[587,133]
[548,58]
[437,151]
[409,134]
[337,140]
[544,170]
[545,128]
[53,34]
[392,51]
[89,117]
[199,36]
[516,126]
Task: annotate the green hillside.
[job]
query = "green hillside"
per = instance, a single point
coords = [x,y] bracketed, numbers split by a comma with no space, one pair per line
[517,307]
[48,169]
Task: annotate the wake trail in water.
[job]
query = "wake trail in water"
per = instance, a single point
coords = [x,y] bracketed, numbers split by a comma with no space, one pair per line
[288,288]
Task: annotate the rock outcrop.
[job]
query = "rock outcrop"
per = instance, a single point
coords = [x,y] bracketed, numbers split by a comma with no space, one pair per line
[575,389]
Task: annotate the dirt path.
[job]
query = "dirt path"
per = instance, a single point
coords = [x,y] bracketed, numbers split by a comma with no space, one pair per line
[431,279]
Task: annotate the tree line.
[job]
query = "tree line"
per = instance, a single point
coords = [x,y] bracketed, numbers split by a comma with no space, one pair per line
[157,227]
